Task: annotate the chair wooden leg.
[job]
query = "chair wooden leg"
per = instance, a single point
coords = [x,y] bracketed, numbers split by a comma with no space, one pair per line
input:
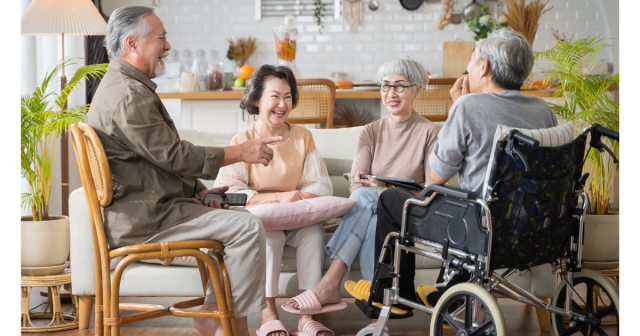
[84,311]
[544,317]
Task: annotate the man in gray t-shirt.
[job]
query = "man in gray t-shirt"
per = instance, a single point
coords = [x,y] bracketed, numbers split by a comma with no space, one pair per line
[488,96]
[466,139]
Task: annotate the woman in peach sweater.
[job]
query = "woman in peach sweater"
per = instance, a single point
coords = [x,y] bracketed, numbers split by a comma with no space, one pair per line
[296,172]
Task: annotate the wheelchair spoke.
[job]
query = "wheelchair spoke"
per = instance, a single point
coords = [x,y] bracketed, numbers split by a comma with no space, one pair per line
[590,301]
[484,326]
[452,322]
[468,314]
[603,313]
[576,307]
[600,331]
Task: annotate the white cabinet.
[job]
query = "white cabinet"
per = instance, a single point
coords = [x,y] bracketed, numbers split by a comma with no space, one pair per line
[214,115]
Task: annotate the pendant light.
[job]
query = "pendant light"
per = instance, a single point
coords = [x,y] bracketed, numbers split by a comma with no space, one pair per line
[472,6]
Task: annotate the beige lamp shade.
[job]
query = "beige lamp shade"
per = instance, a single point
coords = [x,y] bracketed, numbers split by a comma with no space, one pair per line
[69,17]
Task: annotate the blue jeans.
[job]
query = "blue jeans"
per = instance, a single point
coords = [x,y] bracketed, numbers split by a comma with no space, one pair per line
[357,233]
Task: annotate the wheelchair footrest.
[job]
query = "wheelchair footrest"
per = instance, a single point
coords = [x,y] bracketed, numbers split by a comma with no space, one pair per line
[374,312]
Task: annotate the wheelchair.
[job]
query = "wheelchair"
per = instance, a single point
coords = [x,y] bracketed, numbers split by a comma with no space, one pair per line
[529,214]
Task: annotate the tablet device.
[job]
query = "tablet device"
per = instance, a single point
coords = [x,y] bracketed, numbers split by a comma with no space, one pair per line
[397,182]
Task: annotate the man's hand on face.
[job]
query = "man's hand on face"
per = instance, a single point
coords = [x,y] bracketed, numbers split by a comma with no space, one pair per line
[214,203]
[460,88]
[257,151]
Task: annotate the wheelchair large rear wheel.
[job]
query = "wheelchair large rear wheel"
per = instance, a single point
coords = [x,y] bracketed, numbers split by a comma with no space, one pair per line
[455,308]
[588,284]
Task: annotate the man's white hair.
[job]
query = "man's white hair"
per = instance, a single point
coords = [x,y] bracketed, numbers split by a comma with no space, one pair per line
[126,21]
[510,57]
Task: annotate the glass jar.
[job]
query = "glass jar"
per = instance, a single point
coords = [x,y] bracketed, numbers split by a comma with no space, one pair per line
[215,76]
[286,36]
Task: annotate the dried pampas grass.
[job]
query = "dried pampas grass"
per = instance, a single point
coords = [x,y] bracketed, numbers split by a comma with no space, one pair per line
[524,17]
[241,49]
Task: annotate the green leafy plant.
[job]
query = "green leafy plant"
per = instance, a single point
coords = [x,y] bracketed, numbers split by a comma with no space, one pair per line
[41,125]
[583,97]
[483,24]
[318,13]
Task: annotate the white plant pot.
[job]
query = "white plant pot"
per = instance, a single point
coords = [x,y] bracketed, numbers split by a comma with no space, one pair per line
[44,243]
[601,249]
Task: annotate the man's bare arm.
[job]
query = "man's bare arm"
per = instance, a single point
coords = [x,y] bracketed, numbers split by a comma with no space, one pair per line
[437,179]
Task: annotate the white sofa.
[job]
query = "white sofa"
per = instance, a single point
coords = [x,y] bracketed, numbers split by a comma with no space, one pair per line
[143,279]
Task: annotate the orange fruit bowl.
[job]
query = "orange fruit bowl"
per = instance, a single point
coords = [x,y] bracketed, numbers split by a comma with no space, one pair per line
[245,71]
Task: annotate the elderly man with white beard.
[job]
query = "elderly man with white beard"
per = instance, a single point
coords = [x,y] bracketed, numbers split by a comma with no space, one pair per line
[157,194]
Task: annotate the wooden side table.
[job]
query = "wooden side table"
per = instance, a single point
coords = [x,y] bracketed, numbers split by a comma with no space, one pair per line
[53,311]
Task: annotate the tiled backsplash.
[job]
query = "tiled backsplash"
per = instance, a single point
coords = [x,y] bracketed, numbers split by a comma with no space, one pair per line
[389,32]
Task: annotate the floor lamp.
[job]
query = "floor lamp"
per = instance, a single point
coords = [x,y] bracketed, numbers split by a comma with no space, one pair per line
[60,17]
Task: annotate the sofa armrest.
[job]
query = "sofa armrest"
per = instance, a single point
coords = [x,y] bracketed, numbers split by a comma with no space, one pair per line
[83,273]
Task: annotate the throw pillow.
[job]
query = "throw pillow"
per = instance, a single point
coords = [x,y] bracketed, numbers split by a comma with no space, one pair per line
[289,216]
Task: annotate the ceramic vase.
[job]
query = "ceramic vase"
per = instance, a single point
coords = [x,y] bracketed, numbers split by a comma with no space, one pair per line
[44,243]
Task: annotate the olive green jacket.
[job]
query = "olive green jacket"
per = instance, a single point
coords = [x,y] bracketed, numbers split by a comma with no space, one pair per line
[155,174]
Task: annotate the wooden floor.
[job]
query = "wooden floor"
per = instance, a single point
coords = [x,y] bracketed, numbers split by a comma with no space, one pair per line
[521,321]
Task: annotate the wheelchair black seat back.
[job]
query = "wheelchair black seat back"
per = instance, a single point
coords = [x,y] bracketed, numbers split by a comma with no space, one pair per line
[528,214]
[533,197]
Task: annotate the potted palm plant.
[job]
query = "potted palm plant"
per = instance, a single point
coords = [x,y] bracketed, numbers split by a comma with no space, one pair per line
[584,97]
[45,238]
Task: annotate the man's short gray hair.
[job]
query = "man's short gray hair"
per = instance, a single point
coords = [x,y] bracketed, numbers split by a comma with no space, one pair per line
[510,58]
[126,21]
[410,69]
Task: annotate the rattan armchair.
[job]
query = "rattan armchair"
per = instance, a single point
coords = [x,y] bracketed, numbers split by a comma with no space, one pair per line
[316,102]
[96,180]
[435,101]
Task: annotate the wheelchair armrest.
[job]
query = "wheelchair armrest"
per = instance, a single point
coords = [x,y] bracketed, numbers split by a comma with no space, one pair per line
[447,190]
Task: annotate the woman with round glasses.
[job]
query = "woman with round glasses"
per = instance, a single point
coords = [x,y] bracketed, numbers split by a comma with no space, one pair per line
[397,145]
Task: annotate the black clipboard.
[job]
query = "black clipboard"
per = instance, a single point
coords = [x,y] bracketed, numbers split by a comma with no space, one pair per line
[398,182]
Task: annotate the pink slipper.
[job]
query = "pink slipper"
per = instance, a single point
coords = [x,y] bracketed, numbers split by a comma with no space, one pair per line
[271,326]
[310,305]
[311,328]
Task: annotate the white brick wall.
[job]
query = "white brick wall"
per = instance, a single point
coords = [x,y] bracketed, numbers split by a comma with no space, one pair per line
[389,32]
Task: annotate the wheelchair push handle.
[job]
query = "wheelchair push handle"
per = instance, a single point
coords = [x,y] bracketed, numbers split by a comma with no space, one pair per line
[609,133]
[526,140]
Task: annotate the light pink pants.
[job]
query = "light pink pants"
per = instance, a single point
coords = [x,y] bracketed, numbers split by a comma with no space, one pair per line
[309,244]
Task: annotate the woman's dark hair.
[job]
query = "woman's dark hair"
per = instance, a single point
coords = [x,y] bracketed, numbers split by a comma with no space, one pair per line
[255,86]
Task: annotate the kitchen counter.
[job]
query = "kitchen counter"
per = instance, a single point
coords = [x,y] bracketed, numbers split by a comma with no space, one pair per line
[219,110]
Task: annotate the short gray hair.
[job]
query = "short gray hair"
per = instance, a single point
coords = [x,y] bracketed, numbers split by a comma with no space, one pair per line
[510,58]
[410,69]
[126,21]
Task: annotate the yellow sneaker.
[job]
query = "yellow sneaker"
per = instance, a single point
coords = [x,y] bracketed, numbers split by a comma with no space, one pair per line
[423,292]
[361,291]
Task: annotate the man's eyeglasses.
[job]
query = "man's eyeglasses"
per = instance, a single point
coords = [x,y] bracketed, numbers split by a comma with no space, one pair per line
[385,87]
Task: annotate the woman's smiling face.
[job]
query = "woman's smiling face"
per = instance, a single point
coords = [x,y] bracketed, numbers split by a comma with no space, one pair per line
[398,104]
[276,101]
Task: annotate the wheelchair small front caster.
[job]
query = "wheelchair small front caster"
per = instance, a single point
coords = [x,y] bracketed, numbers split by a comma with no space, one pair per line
[368,331]
[470,310]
